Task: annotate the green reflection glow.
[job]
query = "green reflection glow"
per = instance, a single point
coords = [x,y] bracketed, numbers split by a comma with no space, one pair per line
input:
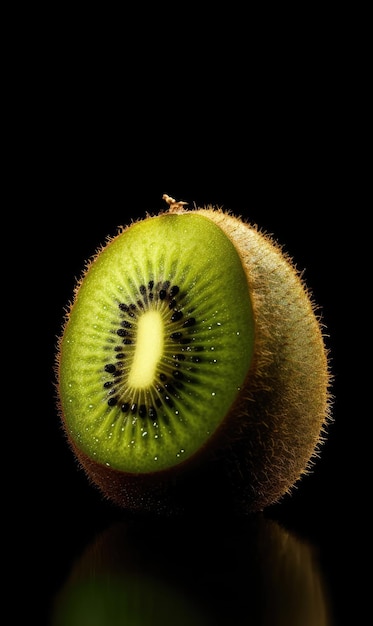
[193,572]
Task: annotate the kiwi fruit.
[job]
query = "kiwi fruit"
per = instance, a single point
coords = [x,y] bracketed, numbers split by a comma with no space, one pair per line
[191,368]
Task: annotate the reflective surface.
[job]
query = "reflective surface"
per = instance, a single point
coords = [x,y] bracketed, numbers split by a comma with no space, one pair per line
[97,566]
[167,572]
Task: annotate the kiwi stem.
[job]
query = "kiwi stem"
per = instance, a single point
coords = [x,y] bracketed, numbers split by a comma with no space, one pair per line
[174,206]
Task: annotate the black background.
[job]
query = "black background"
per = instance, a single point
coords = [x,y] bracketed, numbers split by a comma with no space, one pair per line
[98,147]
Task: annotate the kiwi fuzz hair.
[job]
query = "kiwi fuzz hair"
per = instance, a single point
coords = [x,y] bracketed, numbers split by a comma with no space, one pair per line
[274,429]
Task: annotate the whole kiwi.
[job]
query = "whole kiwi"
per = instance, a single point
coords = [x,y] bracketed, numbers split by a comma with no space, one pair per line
[192,369]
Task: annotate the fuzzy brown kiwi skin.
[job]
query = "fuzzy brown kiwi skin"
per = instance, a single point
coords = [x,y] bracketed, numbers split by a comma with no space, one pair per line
[272,434]
[285,406]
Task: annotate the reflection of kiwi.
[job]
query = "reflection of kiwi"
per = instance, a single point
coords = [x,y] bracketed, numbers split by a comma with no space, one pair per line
[192,366]
[109,599]
[193,571]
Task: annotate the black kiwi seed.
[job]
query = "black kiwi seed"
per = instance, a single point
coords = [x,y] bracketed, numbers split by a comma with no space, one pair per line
[176,336]
[189,322]
[142,410]
[176,316]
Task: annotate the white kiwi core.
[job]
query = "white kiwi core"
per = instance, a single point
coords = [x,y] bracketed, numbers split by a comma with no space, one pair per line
[149,348]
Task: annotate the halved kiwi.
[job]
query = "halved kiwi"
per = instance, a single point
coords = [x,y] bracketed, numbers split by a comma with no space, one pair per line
[191,367]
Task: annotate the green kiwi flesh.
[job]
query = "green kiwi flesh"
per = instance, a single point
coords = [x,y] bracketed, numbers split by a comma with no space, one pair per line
[192,365]
[152,356]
